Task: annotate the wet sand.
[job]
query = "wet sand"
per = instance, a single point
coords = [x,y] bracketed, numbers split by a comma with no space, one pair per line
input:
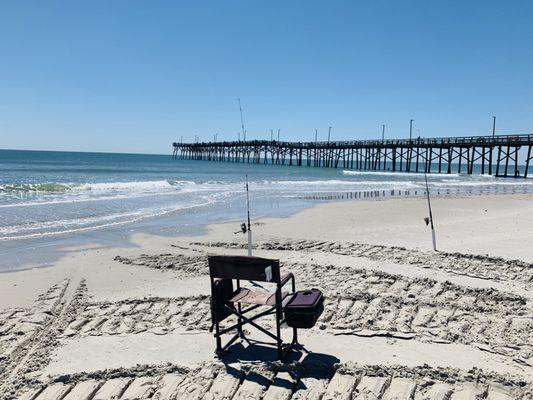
[400,321]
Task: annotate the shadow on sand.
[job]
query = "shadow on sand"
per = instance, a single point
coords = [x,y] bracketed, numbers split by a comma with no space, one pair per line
[299,364]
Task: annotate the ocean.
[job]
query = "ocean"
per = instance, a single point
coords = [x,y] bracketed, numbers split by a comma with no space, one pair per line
[50,199]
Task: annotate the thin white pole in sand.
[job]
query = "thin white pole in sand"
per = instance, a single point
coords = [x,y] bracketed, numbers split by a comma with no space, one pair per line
[430,214]
[249,225]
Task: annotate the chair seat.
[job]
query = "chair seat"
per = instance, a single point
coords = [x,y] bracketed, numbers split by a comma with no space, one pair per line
[248,296]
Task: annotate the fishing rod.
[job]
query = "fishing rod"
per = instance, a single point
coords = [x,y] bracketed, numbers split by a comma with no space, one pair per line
[249,225]
[242,121]
[430,219]
[247,228]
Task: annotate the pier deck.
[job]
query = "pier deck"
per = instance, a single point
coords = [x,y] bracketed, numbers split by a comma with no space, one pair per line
[499,155]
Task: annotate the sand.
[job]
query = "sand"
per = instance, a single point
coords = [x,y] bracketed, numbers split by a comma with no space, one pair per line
[400,321]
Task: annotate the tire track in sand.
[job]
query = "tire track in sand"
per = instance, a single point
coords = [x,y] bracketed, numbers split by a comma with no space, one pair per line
[316,377]
[33,352]
[359,302]
[476,266]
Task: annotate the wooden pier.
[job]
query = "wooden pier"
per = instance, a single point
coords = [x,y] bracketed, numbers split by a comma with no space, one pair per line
[499,155]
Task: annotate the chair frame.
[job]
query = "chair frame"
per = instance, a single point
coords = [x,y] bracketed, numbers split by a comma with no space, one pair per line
[243,312]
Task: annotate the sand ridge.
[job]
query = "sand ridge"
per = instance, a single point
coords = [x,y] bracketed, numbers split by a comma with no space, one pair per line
[314,377]
[474,265]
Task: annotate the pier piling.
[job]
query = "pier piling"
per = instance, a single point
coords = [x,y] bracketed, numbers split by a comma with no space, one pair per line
[431,155]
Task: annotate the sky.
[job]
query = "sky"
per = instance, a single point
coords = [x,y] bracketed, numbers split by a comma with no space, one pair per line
[134,76]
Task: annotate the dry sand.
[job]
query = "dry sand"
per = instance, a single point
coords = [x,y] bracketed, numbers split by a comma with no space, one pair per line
[401,321]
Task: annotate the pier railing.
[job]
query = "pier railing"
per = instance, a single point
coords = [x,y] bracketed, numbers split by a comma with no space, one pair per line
[501,155]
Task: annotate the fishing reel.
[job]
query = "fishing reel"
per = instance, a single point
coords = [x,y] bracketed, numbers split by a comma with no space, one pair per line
[244,229]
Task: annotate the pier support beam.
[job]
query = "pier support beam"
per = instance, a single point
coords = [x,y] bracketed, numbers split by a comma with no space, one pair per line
[396,155]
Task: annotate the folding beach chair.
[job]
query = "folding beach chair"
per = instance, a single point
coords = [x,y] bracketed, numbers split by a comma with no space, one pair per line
[226,301]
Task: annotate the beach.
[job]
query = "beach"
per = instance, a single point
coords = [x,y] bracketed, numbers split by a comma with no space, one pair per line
[367,167]
[400,321]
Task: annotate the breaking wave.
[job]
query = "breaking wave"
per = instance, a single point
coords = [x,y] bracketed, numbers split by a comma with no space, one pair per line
[61,187]
[388,173]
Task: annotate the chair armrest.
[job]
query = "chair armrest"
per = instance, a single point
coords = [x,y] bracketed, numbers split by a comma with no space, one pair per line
[285,278]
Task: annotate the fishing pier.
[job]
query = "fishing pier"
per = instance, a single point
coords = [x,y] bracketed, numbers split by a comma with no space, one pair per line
[499,155]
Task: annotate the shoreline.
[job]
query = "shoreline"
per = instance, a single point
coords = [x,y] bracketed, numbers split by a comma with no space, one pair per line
[334,227]
[141,311]
[122,237]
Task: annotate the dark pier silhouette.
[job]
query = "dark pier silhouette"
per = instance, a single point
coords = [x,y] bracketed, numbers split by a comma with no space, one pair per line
[499,155]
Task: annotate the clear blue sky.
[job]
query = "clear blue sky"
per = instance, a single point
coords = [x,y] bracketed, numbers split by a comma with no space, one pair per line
[132,76]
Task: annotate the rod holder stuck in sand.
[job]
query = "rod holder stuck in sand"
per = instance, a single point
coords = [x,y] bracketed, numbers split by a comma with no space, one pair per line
[430,219]
[249,225]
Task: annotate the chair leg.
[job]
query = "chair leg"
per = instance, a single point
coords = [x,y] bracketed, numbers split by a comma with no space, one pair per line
[239,320]
[294,330]
[219,340]
[239,308]
[279,316]
[280,343]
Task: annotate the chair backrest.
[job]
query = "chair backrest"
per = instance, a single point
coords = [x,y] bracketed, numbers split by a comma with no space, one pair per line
[245,268]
